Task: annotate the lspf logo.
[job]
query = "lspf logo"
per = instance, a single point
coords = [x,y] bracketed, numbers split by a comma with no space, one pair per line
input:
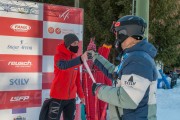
[19,99]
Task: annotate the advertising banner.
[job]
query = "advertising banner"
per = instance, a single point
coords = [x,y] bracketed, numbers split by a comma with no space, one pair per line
[29,34]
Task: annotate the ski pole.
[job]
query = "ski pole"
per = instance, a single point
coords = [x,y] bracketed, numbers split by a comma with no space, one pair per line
[89,71]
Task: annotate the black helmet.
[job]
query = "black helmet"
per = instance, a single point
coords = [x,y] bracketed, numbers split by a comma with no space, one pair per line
[128,26]
[131,25]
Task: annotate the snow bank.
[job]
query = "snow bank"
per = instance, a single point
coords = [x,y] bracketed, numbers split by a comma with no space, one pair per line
[168,103]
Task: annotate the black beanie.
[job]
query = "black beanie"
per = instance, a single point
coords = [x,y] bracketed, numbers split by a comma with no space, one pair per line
[69,39]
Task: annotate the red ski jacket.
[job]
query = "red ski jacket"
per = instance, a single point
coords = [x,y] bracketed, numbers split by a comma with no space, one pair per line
[66,82]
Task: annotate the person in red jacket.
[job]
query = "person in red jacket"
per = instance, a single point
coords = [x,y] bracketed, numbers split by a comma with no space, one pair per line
[66,82]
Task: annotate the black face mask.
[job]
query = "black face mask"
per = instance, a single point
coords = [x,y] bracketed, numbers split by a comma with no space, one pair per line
[120,39]
[73,49]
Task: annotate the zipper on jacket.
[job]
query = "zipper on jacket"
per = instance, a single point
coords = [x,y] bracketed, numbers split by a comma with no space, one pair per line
[70,82]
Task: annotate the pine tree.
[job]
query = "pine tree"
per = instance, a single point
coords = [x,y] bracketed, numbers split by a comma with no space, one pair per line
[99,16]
[164,30]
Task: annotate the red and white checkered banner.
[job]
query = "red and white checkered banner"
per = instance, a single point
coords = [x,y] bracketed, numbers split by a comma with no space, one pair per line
[29,34]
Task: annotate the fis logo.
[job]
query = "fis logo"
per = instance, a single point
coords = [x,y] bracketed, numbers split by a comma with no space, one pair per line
[19,118]
[130,82]
[65,15]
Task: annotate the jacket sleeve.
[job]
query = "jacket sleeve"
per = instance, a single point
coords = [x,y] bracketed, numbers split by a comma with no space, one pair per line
[65,64]
[104,65]
[79,86]
[135,81]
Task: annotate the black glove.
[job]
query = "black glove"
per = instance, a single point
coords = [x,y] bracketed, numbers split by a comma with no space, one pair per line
[95,86]
[90,54]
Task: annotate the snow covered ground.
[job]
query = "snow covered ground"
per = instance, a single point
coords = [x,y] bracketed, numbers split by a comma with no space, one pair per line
[168,103]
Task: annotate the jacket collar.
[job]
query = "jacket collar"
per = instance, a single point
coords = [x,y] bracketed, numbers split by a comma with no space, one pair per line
[143,45]
[62,49]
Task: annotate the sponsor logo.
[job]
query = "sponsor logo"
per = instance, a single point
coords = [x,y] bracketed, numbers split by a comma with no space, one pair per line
[130,82]
[67,31]
[65,14]
[51,30]
[19,118]
[22,46]
[19,99]
[20,27]
[20,64]
[58,30]
[19,81]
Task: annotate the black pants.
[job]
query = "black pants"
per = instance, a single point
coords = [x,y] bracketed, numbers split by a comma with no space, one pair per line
[68,107]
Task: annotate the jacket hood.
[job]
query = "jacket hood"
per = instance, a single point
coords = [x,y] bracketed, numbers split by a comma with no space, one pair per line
[145,46]
[62,49]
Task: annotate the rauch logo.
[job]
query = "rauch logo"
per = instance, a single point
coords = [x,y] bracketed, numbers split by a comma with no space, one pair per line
[19,99]
[20,64]
[20,27]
